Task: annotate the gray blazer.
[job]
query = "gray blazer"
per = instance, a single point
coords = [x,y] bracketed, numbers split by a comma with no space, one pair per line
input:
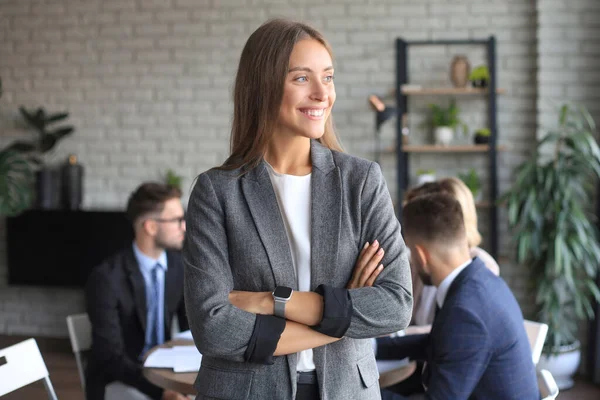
[236,239]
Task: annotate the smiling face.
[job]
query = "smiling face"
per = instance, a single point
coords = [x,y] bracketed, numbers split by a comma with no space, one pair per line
[308,93]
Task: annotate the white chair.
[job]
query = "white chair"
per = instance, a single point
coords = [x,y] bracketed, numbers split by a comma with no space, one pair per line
[22,364]
[80,333]
[547,385]
[536,332]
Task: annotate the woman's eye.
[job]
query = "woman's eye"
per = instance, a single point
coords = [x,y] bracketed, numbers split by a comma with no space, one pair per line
[301,79]
[329,78]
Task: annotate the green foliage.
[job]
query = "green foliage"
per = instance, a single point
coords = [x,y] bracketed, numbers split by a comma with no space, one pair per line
[480,73]
[472,180]
[171,178]
[551,214]
[483,132]
[48,137]
[425,172]
[16,181]
[441,116]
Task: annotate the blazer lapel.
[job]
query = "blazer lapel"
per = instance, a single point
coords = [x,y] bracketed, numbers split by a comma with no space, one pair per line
[326,214]
[171,291]
[264,208]
[138,286]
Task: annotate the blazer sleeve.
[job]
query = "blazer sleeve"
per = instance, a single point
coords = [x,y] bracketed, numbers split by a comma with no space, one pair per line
[461,353]
[219,329]
[108,347]
[385,307]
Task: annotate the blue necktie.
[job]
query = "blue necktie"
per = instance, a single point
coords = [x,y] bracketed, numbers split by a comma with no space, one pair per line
[156,331]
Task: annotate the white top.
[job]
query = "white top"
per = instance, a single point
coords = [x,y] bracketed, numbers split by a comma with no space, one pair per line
[293,198]
[442,290]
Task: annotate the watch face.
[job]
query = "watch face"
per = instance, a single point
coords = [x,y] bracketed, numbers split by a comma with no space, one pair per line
[283,292]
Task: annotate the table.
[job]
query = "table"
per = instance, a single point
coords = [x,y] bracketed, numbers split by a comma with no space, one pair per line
[184,382]
[166,378]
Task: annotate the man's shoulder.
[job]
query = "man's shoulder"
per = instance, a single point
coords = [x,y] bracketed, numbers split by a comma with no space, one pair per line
[115,263]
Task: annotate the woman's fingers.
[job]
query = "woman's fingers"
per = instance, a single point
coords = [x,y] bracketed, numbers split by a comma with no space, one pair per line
[374,275]
[370,267]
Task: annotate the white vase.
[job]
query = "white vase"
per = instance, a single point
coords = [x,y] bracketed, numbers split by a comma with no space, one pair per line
[563,365]
[425,178]
[443,135]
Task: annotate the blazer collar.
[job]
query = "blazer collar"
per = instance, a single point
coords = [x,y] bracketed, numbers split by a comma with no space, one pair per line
[138,286]
[321,157]
[326,210]
[466,273]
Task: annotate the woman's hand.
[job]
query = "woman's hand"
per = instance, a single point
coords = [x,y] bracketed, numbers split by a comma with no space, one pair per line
[253,302]
[367,267]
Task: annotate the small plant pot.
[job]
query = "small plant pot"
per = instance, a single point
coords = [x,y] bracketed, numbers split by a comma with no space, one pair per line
[425,178]
[479,83]
[481,139]
[443,135]
[563,365]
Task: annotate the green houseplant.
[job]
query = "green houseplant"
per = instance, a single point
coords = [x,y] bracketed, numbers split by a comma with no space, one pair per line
[472,181]
[482,136]
[549,210]
[480,76]
[444,120]
[173,179]
[16,181]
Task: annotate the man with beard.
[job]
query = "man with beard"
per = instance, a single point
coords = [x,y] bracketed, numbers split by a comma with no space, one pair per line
[478,347]
[132,297]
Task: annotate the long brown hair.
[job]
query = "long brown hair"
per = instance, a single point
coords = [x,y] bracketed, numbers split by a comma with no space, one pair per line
[258,91]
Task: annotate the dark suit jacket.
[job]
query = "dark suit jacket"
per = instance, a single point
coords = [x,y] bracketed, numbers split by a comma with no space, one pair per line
[478,347]
[116,305]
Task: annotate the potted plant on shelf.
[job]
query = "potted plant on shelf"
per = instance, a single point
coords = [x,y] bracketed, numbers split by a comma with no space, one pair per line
[480,76]
[425,175]
[550,211]
[172,179]
[444,121]
[47,178]
[473,182]
[482,136]
[16,181]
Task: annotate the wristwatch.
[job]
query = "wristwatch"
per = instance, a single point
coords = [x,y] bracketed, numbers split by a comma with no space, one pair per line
[281,295]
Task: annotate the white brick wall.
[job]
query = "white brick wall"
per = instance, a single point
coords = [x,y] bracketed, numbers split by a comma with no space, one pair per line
[148,85]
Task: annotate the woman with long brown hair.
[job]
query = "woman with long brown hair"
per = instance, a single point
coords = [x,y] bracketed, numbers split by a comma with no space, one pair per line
[281,235]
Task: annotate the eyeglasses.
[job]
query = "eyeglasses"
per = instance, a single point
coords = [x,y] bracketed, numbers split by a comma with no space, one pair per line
[180,220]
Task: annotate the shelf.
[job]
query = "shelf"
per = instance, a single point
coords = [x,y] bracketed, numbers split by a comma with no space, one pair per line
[448,91]
[432,148]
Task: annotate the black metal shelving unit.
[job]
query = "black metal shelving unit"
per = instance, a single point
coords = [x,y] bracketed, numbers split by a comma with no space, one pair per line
[402,107]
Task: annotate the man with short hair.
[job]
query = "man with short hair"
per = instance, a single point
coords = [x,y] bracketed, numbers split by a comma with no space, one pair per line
[132,297]
[478,347]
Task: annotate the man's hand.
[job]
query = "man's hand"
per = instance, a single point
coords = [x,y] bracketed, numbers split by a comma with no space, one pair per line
[253,302]
[171,395]
[367,267]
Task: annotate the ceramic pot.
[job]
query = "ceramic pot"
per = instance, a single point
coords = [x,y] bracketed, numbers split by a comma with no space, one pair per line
[563,365]
[443,135]
[459,71]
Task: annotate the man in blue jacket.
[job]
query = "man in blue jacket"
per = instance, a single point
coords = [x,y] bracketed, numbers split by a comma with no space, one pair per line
[478,347]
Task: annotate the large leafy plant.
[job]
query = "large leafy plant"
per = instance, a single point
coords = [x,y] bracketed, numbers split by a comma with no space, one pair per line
[16,181]
[550,208]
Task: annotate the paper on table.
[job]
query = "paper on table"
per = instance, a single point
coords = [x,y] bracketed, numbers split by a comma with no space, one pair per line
[160,358]
[388,365]
[185,335]
[188,359]
[180,358]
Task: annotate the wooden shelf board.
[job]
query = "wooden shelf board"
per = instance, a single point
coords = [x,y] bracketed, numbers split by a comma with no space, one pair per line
[448,91]
[432,148]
